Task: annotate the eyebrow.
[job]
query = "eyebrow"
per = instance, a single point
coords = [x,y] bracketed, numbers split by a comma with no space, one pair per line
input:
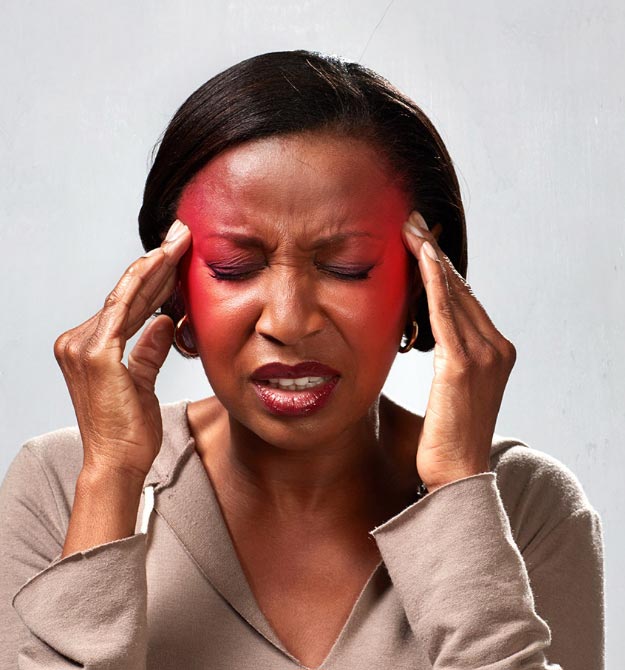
[244,240]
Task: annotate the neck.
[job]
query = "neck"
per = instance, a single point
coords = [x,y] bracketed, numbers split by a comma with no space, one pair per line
[327,481]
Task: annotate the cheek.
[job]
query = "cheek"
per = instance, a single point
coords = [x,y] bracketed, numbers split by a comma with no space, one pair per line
[372,314]
[372,311]
[389,297]
[217,312]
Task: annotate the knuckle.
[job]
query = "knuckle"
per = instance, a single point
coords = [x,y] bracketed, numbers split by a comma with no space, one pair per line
[509,352]
[140,266]
[117,294]
[501,353]
[60,346]
[135,267]
[68,352]
[111,299]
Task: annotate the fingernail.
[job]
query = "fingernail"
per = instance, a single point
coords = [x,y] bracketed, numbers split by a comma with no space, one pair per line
[151,253]
[429,250]
[413,230]
[417,220]
[175,231]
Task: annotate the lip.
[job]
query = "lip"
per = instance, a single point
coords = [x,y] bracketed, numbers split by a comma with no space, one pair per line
[277,370]
[295,403]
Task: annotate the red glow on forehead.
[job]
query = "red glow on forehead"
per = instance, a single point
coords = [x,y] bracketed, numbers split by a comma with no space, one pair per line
[309,179]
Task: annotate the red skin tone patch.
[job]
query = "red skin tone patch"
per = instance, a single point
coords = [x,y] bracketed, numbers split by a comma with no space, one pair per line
[290,191]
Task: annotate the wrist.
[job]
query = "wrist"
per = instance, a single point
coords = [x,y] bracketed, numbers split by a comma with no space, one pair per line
[105,477]
[437,484]
[106,503]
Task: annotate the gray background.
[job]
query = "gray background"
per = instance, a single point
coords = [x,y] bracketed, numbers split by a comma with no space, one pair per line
[528,96]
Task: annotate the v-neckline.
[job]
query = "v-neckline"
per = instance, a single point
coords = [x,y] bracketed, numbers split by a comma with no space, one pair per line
[192,510]
[359,602]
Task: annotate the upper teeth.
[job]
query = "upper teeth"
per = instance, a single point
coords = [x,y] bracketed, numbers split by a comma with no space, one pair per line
[300,382]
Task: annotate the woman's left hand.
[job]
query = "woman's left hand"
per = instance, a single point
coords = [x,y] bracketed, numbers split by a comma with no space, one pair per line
[472,363]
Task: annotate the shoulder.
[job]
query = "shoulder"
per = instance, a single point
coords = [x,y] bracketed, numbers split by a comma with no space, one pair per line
[45,469]
[524,472]
[538,491]
[53,461]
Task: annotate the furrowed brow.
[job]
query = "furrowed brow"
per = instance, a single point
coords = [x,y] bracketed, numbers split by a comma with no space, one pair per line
[244,240]
[240,239]
[340,237]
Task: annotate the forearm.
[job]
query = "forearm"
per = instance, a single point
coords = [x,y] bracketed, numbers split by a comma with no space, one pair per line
[461,580]
[105,509]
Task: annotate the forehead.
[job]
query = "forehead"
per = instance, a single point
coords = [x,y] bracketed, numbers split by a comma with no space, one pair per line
[307,183]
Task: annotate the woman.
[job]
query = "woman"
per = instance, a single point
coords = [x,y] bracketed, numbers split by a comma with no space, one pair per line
[301,518]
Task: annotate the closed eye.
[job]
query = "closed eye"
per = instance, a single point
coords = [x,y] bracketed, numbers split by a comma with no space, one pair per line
[231,276]
[347,274]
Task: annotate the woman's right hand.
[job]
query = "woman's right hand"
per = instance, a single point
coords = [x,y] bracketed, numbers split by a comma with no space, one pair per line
[117,410]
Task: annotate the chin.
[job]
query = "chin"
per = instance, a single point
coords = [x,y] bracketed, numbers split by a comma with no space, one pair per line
[296,433]
[293,434]
[299,432]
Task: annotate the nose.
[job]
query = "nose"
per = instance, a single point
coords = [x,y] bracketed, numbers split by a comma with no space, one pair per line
[290,309]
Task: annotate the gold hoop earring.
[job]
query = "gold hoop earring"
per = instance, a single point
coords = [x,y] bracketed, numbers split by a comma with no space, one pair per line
[179,338]
[407,347]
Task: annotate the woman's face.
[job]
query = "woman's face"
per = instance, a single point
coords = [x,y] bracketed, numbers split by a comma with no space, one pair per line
[263,283]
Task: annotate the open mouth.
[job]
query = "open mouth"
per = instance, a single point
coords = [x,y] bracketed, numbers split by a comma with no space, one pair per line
[298,384]
[286,398]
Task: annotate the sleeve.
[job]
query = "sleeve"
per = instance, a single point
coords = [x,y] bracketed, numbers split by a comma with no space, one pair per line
[566,571]
[86,610]
[466,591]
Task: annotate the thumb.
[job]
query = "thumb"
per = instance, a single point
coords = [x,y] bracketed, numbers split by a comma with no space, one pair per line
[149,353]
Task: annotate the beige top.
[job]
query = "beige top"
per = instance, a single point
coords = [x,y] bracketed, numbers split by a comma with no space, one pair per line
[500,571]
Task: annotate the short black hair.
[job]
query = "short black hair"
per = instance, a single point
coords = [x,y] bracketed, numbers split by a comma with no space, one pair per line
[285,92]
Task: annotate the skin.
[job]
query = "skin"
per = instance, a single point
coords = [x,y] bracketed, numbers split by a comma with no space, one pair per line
[291,192]
[299,494]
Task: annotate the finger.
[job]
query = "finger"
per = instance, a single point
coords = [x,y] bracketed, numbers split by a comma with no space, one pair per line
[469,332]
[84,327]
[127,306]
[141,310]
[451,325]
[473,319]
[477,340]
[87,327]
[149,353]
[443,319]
[158,269]
[458,287]
[413,237]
